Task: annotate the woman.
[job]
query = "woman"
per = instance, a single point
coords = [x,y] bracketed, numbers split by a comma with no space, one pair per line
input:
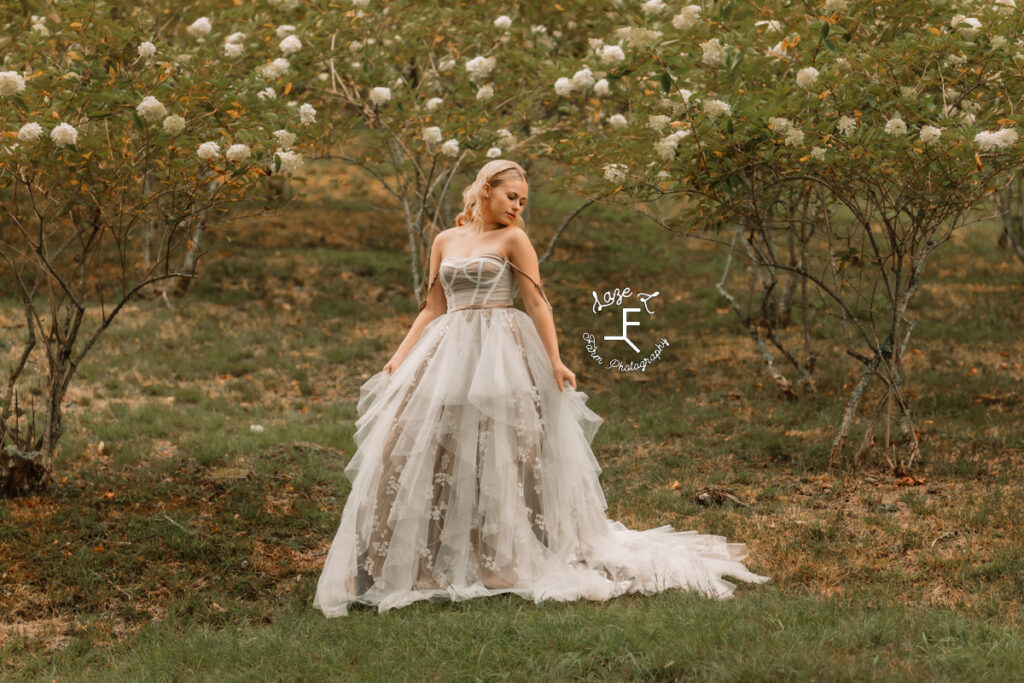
[473,474]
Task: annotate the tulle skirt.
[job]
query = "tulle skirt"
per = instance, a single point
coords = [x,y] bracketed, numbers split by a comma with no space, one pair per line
[474,476]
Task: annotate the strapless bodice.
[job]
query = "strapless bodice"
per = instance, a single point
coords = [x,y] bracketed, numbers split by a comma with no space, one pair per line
[477,281]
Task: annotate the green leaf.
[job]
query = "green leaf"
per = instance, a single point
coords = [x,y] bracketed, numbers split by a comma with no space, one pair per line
[824,29]
[666,82]
[829,45]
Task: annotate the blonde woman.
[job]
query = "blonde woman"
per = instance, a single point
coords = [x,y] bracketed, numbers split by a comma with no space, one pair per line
[474,474]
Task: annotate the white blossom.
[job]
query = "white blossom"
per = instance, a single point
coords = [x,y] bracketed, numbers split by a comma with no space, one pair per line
[846,125]
[538,28]
[450,147]
[666,147]
[615,173]
[687,18]
[432,135]
[653,7]
[506,139]
[968,26]
[503,22]
[285,140]
[30,132]
[1006,6]
[601,88]
[290,161]
[617,121]
[275,69]
[657,121]
[238,153]
[361,3]
[174,124]
[199,27]
[307,114]
[267,94]
[290,44]
[716,108]
[446,65]
[236,37]
[895,126]
[806,77]
[233,50]
[64,134]
[485,92]
[779,124]
[772,25]
[818,153]
[433,103]
[494,153]
[208,150]
[480,68]
[612,54]
[794,137]
[146,49]
[151,109]
[929,134]
[714,52]
[1001,139]
[583,79]
[11,82]
[283,31]
[380,95]
[834,6]
[563,87]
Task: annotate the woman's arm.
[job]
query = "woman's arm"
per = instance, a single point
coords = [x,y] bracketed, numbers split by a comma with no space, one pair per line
[434,306]
[523,256]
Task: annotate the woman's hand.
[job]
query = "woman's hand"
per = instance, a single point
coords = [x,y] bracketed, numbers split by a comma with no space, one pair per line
[393,364]
[563,374]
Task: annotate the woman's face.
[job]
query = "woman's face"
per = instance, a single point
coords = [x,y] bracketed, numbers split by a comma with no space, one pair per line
[506,201]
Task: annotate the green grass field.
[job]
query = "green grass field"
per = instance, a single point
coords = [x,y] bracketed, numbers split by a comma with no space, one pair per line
[178,543]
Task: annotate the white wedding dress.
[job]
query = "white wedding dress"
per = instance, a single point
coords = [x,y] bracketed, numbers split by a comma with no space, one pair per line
[474,476]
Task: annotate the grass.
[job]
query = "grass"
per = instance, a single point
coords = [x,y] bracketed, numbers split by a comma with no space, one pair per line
[180,541]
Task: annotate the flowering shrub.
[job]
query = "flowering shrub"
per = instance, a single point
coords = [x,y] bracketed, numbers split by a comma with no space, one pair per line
[120,135]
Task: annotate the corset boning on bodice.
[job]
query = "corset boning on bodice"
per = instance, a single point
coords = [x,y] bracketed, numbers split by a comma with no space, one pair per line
[477,281]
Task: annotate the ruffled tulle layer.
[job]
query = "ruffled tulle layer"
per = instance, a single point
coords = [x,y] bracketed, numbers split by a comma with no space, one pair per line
[474,476]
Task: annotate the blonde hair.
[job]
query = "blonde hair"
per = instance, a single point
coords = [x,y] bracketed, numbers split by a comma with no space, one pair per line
[493,173]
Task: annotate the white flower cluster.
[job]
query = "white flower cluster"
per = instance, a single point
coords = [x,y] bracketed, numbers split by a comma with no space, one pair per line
[151,109]
[1000,139]
[612,54]
[716,108]
[267,93]
[146,49]
[290,161]
[506,139]
[773,25]
[806,77]
[615,173]
[479,68]
[714,52]
[380,95]
[895,126]
[818,153]
[493,152]
[11,83]
[285,140]
[64,134]
[290,44]
[834,6]
[846,125]
[967,26]
[485,92]
[666,147]
[657,121]
[30,132]
[275,69]
[503,23]
[929,134]
[434,103]
[200,27]
[653,7]
[238,153]
[617,121]
[432,135]
[687,18]
[233,46]
[450,147]
[174,124]
[39,25]
[208,150]
[307,114]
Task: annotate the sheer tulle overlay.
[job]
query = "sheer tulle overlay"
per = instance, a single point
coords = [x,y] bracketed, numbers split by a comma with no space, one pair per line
[474,476]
